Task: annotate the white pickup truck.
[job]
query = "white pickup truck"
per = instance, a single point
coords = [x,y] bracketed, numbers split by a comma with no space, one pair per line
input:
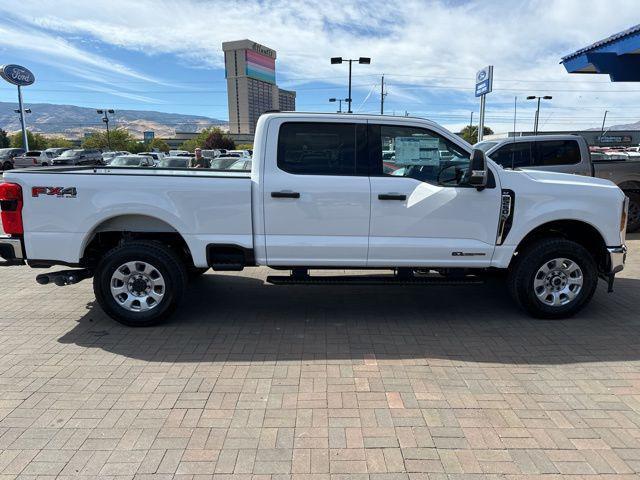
[324,193]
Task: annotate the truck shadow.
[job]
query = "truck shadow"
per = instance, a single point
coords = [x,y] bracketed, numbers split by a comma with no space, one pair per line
[230,318]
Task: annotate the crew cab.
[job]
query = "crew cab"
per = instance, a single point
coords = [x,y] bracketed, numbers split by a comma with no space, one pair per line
[570,154]
[320,195]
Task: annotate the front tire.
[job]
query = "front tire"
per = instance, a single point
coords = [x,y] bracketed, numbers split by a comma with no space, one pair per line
[7,166]
[553,278]
[139,283]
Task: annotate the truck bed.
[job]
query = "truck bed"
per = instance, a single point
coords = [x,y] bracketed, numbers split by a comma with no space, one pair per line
[204,206]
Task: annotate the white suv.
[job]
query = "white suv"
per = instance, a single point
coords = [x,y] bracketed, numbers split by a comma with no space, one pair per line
[33,158]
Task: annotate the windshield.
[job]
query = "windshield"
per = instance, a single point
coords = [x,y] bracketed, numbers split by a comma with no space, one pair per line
[71,153]
[126,161]
[485,146]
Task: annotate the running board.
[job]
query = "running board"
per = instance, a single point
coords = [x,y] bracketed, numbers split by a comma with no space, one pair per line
[371,280]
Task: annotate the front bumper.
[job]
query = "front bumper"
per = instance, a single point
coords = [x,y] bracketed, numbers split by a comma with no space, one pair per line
[11,251]
[617,258]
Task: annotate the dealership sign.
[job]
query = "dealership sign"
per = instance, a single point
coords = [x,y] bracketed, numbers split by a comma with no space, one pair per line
[17,75]
[484,81]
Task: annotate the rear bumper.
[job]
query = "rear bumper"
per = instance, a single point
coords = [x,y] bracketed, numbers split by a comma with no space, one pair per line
[11,251]
[617,258]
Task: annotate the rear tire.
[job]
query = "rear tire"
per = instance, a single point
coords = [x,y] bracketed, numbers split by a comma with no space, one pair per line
[633,224]
[7,166]
[139,283]
[553,278]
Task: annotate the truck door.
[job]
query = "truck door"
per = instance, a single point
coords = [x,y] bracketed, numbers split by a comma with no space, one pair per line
[316,193]
[422,213]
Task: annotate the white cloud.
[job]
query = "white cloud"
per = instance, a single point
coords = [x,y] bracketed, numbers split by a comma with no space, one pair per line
[436,45]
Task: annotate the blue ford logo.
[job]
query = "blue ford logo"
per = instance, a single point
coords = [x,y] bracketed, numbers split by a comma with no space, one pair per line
[481,75]
[17,75]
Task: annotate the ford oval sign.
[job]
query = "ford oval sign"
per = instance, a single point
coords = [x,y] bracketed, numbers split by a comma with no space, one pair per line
[17,75]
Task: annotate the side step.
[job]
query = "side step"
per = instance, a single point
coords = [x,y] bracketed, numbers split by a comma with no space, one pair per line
[371,280]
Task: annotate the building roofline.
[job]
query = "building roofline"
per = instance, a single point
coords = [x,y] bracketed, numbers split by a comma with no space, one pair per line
[629,32]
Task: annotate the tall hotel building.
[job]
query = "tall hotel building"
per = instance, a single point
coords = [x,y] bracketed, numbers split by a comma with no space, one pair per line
[250,69]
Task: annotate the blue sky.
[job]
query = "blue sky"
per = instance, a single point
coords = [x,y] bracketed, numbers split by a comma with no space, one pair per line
[166,55]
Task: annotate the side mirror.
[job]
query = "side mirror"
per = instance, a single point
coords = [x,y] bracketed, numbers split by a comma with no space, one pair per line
[478,172]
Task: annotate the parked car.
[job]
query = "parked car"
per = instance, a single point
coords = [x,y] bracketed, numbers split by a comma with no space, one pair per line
[570,154]
[318,198]
[176,153]
[174,162]
[57,151]
[223,163]
[7,155]
[157,156]
[242,164]
[108,156]
[33,158]
[79,157]
[241,153]
[132,161]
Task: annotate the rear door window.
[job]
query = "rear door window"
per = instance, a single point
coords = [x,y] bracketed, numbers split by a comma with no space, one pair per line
[513,155]
[557,152]
[321,148]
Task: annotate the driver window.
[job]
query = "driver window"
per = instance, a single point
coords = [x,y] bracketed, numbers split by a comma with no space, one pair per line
[423,155]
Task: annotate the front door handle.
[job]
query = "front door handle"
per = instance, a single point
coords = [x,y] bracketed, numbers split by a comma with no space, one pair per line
[285,194]
[392,196]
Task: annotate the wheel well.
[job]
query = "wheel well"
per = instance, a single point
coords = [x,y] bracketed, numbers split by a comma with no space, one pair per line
[633,186]
[117,230]
[580,232]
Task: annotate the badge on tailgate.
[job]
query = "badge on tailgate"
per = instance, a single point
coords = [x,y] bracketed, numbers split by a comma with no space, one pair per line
[60,192]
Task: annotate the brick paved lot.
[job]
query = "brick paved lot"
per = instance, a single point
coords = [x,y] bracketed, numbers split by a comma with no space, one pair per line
[251,381]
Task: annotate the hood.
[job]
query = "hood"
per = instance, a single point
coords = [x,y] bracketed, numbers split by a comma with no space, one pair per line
[566,178]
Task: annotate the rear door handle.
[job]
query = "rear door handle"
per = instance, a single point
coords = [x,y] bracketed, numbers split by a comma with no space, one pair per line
[285,194]
[392,196]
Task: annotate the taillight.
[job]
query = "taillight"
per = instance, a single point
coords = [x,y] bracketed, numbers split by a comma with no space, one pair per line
[11,208]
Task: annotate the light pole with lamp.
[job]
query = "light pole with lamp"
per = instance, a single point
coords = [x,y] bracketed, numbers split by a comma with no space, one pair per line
[361,61]
[534,97]
[340,100]
[105,119]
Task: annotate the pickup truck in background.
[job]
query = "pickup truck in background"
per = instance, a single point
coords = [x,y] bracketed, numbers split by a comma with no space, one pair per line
[322,194]
[569,154]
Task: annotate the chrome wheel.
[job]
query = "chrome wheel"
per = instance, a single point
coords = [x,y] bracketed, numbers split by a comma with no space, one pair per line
[558,282]
[137,286]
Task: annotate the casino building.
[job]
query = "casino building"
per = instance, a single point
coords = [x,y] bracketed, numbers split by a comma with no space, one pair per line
[250,69]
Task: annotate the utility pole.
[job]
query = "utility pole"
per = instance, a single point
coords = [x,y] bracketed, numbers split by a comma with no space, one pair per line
[382,95]
[471,122]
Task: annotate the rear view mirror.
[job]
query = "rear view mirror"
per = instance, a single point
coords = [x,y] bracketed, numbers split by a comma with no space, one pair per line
[478,169]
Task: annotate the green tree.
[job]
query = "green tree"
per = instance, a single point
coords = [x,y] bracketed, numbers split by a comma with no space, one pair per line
[4,139]
[59,142]
[36,141]
[470,133]
[244,146]
[119,139]
[209,138]
[158,144]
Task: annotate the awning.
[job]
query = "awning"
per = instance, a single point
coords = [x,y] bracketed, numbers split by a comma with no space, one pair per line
[617,56]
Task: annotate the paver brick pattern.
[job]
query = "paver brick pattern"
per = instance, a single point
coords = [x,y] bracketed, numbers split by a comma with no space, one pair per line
[252,381]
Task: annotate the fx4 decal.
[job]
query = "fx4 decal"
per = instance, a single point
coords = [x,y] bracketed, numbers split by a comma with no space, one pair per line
[60,192]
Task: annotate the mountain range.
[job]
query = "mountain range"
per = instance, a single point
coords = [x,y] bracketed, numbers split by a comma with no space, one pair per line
[72,122]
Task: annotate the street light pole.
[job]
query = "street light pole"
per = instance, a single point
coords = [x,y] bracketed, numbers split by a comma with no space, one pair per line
[537,117]
[604,119]
[105,119]
[339,100]
[339,60]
